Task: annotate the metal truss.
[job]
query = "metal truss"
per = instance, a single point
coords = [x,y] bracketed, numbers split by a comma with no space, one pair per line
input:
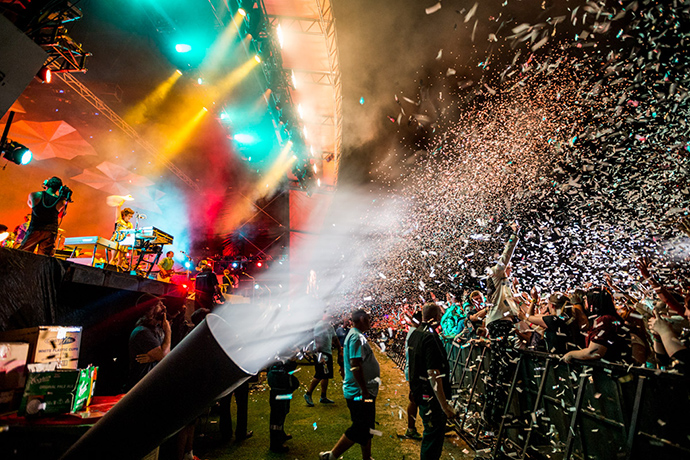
[299,25]
[262,210]
[315,77]
[328,27]
[321,120]
[64,54]
[71,81]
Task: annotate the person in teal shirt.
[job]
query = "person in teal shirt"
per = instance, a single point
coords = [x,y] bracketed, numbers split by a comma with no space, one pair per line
[453,320]
[360,387]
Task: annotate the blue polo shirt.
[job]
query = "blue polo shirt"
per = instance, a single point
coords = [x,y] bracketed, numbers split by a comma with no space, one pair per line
[357,346]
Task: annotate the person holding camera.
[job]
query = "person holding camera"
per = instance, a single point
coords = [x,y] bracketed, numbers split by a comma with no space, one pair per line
[46,208]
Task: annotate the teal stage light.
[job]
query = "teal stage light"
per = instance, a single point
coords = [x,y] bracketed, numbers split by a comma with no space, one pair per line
[244,138]
[17,153]
[183,48]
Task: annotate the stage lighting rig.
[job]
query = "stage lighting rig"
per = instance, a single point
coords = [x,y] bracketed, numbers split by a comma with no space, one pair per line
[13,151]
[16,152]
[45,75]
[44,23]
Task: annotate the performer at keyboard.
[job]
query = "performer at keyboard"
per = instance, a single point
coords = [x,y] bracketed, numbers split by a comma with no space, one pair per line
[122,223]
[46,208]
[165,267]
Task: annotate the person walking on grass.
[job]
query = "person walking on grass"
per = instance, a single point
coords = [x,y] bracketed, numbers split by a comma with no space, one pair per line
[360,387]
[324,341]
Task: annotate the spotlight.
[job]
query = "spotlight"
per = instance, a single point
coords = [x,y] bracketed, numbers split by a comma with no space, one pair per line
[45,75]
[183,48]
[235,265]
[245,139]
[17,153]
[257,58]
[242,12]
[259,264]
[281,39]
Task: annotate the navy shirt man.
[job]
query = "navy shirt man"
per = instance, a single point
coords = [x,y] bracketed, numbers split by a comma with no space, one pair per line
[205,288]
[429,381]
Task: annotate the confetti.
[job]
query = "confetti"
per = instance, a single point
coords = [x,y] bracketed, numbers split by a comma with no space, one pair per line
[433,9]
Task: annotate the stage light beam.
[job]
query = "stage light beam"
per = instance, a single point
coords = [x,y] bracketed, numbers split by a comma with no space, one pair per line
[219,50]
[182,134]
[137,115]
[230,81]
[276,173]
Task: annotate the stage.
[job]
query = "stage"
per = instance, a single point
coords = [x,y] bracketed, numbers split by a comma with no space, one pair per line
[43,291]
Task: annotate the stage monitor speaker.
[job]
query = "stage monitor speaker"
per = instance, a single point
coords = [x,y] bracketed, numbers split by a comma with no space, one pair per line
[20,60]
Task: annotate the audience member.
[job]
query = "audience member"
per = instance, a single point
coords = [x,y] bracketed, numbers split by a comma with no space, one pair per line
[607,338]
[324,340]
[412,407]
[360,387]
[430,381]
[150,340]
[283,383]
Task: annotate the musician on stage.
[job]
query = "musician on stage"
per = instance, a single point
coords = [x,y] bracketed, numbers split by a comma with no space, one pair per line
[20,230]
[122,223]
[165,267]
[205,287]
[230,282]
[46,208]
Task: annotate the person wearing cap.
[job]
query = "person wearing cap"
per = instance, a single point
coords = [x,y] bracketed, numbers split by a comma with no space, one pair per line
[46,208]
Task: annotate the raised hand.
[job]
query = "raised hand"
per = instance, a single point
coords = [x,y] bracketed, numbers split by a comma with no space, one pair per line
[643,264]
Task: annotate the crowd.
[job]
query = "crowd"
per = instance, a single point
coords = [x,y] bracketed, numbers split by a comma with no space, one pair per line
[646,325]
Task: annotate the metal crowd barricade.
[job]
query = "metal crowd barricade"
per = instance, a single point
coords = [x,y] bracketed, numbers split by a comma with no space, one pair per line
[585,410]
[558,411]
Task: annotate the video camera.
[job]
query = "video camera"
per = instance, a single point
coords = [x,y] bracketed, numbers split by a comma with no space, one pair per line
[66,193]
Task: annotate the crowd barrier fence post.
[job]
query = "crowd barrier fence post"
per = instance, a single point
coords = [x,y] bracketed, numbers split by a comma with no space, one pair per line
[635,415]
[567,454]
[511,393]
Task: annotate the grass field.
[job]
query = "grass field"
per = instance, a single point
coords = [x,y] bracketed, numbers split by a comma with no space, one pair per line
[316,429]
